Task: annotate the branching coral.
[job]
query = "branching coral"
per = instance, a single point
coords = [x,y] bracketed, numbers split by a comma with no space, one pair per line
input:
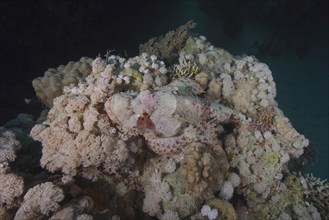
[40,201]
[77,136]
[186,69]
[156,191]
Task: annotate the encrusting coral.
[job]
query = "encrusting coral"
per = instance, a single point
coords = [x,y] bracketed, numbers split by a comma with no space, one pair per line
[190,132]
[198,165]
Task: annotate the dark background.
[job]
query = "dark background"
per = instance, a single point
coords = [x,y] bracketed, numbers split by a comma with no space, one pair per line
[291,36]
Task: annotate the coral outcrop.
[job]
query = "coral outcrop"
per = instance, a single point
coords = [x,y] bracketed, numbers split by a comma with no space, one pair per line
[184,130]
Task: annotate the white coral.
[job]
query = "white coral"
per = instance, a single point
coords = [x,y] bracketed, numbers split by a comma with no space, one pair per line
[210,213]
[227,191]
[205,209]
[11,188]
[40,200]
[170,215]
[77,132]
[234,179]
[156,191]
[8,146]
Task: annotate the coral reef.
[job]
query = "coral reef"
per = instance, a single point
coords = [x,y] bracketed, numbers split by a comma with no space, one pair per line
[185,132]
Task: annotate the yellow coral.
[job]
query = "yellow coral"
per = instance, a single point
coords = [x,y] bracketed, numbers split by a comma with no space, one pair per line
[185,69]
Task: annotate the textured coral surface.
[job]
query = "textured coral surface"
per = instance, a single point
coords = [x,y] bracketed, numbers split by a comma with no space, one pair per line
[188,133]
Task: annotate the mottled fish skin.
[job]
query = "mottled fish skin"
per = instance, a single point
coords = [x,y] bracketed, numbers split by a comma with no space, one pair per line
[171,117]
[170,145]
